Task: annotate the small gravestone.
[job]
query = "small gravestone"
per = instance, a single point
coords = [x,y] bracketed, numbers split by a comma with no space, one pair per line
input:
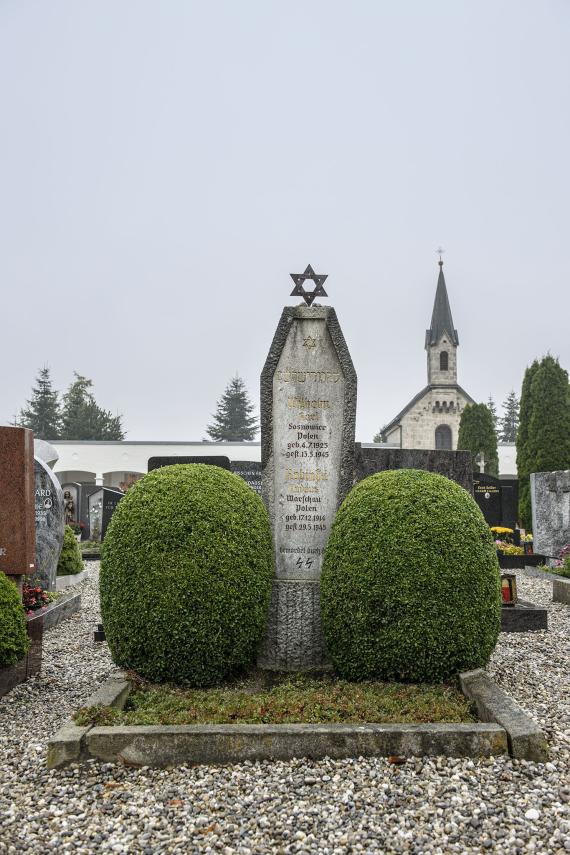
[50,524]
[487,490]
[17,528]
[308,409]
[102,503]
[550,496]
[250,471]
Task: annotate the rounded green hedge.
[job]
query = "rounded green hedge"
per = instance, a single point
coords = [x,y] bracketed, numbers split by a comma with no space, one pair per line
[410,587]
[186,571]
[70,561]
[14,641]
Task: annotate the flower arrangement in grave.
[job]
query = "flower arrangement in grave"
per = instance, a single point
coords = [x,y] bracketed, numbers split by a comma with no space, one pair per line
[76,527]
[527,538]
[508,548]
[34,598]
[501,532]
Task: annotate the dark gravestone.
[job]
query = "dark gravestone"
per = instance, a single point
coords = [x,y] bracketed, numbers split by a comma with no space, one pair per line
[49,525]
[250,471]
[488,497]
[455,465]
[17,527]
[509,502]
[87,489]
[211,460]
[102,504]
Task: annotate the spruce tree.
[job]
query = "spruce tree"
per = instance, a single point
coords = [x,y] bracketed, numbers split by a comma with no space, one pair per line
[477,435]
[510,419]
[83,419]
[493,410]
[233,420]
[523,462]
[42,412]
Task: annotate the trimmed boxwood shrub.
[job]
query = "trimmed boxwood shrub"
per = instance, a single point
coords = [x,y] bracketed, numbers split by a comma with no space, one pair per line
[70,561]
[14,640]
[186,571]
[410,587]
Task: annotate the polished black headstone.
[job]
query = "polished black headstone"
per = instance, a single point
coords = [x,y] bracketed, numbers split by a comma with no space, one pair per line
[250,471]
[210,460]
[455,465]
[487,491]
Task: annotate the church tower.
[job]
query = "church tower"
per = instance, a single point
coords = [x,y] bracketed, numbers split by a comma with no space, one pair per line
[431,419]
[441,339]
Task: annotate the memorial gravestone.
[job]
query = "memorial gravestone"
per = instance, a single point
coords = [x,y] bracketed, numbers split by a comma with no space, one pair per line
[17,527]
[102,503]
[250,471]
[308,410]
[487,491]
[50,524]
[210,460]
[550,496]
[455,465]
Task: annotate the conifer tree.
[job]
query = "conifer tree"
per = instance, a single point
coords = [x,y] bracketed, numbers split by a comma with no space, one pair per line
[510,419]
[493,410]
[477,435]
[523,462]
[42,412]
[233,420]
[546,428]
[83,419]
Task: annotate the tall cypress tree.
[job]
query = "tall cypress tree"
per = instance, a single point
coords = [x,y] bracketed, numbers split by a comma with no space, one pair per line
[493,410]
[523,462]
[477,435]
[233,420]
[543,439]
[42,412]
[510,420]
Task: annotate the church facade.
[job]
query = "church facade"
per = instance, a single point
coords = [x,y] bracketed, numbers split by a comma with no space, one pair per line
[431,419]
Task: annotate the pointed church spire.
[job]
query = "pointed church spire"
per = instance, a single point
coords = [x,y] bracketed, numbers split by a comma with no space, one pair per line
[441,319]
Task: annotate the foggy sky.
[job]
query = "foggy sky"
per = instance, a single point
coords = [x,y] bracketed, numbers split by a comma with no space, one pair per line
[165,165]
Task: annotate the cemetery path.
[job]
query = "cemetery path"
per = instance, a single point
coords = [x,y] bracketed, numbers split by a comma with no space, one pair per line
[366,805]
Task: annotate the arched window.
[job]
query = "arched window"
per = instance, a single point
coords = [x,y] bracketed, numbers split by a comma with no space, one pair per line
[443,438]
[443,361]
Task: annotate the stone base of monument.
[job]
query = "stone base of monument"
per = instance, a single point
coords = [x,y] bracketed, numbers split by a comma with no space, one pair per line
[524,617]
[504,728]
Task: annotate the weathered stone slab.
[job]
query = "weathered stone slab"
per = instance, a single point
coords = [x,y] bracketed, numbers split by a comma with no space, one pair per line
[49,513]
[550,496]
[163,746]
[526,740]
[17,529]
[308,410]
[455,465]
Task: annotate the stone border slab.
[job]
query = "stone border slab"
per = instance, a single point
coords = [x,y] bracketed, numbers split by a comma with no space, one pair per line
[183,745]
[561,590]
[62,582]
[504,727]
[526,740]
[524,617]
[61,609]
[68,744]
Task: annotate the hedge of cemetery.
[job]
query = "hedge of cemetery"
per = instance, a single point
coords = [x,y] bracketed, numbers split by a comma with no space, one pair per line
[13,636]
[186,575]
[410,587]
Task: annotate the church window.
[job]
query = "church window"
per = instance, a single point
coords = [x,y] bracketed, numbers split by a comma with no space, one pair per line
[443,437]
[443,361]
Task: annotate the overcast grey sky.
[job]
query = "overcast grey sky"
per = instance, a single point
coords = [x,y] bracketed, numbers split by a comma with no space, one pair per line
[165,165]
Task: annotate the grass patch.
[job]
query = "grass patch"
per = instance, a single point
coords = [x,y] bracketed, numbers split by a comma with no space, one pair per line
[291,700]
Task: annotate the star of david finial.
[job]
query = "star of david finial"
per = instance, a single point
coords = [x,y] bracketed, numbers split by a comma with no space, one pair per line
[299,289]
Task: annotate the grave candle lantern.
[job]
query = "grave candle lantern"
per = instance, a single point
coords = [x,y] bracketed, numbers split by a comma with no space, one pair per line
[509,589]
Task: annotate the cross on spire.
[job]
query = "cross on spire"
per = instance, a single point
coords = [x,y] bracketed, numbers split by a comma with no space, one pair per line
[440,252]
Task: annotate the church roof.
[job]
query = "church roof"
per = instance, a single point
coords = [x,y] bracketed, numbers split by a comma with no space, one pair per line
[418,397]
[441,319]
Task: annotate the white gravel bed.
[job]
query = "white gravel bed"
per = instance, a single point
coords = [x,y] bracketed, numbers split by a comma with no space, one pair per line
[434,805]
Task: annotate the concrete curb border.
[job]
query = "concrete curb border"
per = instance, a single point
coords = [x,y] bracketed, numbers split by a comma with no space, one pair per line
[525,738]
[61,609]
[504,728]
[63,582]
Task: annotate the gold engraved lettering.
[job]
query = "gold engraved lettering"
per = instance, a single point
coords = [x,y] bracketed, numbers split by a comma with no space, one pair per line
[307,403]
[306,475]
[295,375]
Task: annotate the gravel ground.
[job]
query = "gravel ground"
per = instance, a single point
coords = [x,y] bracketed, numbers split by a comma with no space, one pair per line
[365,805]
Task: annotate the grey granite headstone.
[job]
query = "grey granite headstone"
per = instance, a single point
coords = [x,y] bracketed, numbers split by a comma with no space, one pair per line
[308,411]
[49,525]
[550,497]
